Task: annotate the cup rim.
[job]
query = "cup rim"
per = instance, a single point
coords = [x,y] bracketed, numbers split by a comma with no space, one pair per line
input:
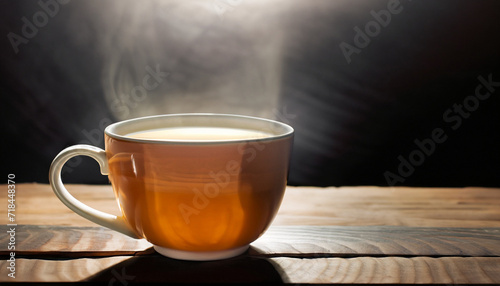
[116,130]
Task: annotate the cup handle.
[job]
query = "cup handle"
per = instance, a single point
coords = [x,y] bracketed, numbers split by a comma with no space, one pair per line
[107,220]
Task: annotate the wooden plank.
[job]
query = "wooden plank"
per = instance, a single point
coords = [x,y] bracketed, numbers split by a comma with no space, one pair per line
[293,241]
[37,204]
[398,206]
[60,241]
[390,270]
[35,270]
[124,270]
[154,268]
[431,207]
[328,241]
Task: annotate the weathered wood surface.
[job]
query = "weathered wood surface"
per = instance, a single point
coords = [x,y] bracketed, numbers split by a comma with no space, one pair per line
[153,268]
[332,235]
[431,207]
[65,242]
[41,270]
[292,241]
[350,241]
[449,270]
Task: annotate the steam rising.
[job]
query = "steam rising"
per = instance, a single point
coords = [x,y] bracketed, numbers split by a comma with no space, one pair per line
[212,56]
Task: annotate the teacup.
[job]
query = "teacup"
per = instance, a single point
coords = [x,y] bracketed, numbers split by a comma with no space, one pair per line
[197,186]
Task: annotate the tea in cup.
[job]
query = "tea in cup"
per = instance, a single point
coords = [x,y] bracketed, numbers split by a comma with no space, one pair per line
[197,186]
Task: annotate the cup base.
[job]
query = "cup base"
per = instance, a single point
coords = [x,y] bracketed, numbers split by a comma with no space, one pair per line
[200,255]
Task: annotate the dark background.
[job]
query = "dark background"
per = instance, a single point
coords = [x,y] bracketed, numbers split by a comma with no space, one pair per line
[275,59]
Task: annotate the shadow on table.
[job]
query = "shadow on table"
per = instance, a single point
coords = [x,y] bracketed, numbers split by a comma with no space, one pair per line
[157,268]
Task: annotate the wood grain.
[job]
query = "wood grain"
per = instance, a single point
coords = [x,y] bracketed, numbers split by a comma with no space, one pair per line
[451,270]
[292,241]
[63,242]
[153,268]
[38,270]
[37,204]
[344,235]
[402,206]
[345,241]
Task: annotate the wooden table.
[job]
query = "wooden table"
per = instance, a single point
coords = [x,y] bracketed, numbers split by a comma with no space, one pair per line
[320,235]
